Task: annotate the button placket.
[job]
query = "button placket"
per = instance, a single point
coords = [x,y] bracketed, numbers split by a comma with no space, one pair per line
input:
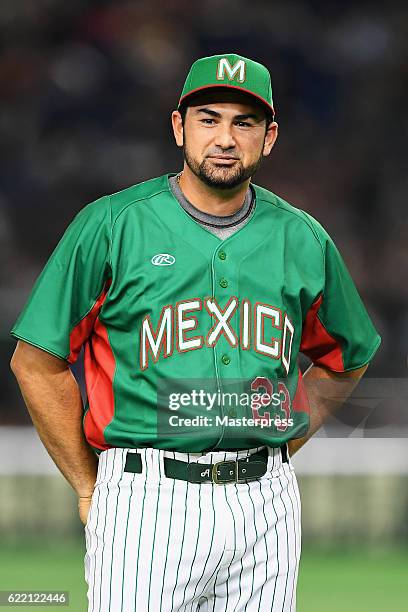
[224,282]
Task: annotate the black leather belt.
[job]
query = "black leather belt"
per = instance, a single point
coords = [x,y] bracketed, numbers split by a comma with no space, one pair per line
[243,470]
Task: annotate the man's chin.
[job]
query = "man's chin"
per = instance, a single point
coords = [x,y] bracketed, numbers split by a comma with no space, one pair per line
[221,182]
[222,177]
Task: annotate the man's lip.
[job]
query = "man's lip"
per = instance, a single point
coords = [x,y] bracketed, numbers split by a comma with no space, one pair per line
[222,157]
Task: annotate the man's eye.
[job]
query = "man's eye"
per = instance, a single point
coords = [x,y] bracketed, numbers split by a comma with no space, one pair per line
[207,121]
[243,124]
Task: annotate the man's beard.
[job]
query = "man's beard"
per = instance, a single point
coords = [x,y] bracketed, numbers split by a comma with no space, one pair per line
[221,177]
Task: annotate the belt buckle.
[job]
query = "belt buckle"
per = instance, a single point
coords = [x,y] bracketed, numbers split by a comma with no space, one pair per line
[214,472]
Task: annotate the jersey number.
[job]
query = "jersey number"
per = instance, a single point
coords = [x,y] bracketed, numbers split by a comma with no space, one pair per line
[264,387]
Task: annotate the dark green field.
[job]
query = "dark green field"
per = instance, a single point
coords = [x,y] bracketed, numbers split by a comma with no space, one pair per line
[351,582]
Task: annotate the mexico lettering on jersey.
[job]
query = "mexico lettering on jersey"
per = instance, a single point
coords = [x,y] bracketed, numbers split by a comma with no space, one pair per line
[150,295]
[176,321]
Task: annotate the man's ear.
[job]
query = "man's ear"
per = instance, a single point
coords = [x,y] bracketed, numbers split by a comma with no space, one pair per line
[178,129]
[270,138]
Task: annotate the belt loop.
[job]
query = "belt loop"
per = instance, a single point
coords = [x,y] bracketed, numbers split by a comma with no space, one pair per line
[162,471]
[285,453]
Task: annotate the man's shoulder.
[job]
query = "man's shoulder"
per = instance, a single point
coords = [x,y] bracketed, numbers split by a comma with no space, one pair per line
[294,215]
[140,192]
[108,207]
[278,202]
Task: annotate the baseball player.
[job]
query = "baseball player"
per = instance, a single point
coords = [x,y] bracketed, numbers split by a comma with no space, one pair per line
[192,294]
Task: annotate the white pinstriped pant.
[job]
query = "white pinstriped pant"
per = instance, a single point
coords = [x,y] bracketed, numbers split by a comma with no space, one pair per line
[156,544]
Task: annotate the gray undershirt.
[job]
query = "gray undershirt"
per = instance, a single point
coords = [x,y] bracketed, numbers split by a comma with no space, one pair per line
[221,226]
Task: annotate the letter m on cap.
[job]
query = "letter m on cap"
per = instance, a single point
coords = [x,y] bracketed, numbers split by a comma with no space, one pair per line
[225,70]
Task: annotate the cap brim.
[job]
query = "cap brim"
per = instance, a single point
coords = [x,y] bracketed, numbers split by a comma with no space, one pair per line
[223,86]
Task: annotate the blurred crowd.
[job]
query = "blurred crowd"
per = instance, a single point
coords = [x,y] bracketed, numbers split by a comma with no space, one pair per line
[86,92]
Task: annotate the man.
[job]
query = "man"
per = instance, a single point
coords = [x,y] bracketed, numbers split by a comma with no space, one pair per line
[186,291]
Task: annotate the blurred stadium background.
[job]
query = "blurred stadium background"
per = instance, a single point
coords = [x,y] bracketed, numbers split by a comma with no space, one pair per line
[86,90]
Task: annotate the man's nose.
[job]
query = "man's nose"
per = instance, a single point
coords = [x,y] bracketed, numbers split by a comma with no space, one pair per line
[224,137]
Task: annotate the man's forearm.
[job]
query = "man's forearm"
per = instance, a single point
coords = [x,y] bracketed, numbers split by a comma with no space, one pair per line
[326,391]
[54,402]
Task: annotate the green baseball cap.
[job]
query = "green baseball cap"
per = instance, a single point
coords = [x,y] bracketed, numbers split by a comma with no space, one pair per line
[233,71]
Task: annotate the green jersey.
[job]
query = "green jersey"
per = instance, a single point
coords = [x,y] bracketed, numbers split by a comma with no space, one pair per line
[173,319]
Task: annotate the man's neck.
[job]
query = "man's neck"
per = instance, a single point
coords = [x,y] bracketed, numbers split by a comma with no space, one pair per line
[220,202]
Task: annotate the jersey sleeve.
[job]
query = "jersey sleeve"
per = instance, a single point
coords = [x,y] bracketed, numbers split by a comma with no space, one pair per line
[337,330]
[68,295]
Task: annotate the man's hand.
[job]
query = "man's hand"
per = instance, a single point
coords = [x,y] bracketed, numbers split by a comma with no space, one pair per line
[337,385]
[84,504]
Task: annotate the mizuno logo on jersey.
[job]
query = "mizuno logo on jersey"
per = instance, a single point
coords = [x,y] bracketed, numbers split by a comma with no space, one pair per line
[163,259]
[261,327]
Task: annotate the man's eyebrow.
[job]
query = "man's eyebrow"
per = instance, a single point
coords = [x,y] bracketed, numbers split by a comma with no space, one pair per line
[208,111]
[213,113]
[248,116]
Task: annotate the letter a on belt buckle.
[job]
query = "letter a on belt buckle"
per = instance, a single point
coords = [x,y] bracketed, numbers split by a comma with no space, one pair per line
[233,472]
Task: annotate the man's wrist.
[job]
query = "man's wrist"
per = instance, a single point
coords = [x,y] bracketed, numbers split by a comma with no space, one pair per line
[85,491]
[85,496]
[295,445]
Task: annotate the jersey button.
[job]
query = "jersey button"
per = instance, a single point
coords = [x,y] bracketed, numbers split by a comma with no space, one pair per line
[225,359]
[222,254]
[223,282]
[232,413]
